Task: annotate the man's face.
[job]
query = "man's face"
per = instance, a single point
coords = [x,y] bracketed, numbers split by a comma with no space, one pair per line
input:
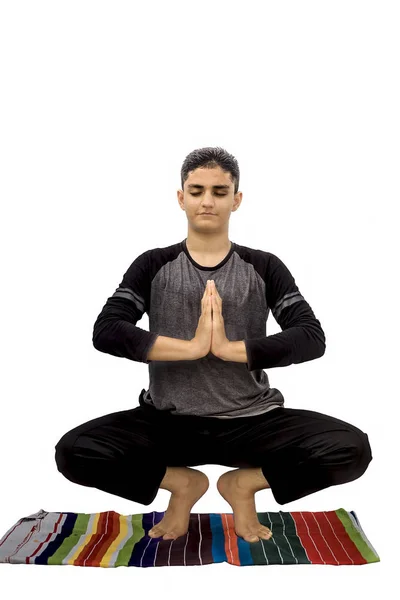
[208,190]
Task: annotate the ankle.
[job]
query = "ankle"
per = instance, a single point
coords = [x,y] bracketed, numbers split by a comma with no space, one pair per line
[252,479]
[175,479]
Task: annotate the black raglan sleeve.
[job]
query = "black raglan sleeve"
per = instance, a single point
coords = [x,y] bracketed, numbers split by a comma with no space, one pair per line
[115,331]
[302,338]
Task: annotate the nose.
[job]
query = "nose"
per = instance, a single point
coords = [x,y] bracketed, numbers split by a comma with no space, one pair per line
[208,196]
[207,207]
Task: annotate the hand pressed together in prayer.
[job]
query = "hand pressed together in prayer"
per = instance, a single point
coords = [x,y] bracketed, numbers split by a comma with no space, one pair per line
[219,341]
[210,336]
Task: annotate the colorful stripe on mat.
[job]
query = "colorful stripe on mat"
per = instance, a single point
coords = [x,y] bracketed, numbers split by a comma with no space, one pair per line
[109,539]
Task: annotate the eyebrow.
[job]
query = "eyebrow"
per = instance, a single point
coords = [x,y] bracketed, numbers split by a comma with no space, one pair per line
[219,187]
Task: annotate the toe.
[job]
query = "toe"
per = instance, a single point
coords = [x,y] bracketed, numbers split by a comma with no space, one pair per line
[265,533]
[154,533]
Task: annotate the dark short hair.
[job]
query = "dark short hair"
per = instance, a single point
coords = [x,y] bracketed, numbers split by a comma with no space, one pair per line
[210,158]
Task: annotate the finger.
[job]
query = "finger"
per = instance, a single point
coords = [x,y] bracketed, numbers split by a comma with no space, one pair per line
[215,291]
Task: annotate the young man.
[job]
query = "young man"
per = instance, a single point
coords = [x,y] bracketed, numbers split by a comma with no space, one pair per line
[209,398]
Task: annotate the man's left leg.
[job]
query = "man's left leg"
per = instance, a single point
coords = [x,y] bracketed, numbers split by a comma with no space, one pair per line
[238,488]
[299,452]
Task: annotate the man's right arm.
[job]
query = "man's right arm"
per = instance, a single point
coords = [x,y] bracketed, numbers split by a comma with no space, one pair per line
[115,331]
[167,348]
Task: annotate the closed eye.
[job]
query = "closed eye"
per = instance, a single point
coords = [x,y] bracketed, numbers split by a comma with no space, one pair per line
[198,194]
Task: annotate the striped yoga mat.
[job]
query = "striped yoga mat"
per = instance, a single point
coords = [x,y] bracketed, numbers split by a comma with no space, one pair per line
[109,539]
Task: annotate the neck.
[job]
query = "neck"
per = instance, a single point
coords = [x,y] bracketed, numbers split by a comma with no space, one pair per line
[208,244]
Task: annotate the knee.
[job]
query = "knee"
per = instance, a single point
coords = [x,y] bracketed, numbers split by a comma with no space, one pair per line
[63,452]
[364,453]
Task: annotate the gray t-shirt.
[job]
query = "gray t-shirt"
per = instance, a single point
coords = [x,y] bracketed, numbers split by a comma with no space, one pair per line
[168,285]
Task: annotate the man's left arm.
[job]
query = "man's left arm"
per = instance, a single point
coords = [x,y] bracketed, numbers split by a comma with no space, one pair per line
[302,337]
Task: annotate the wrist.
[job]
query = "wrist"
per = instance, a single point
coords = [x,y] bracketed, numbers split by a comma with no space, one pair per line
[193,350]
[225,352]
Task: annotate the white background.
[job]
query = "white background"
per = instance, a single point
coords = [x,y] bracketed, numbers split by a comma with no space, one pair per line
[100,104]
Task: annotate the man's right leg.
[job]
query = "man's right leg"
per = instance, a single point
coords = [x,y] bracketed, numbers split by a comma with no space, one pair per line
[118,453]
[187,486]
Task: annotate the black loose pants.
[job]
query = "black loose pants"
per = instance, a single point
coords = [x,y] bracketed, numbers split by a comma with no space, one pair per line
[126,453]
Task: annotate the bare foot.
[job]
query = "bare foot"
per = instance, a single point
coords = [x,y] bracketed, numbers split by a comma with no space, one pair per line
[232,487]
[175,522]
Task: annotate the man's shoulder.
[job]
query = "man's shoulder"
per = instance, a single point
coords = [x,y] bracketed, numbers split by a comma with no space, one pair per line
[258,255]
